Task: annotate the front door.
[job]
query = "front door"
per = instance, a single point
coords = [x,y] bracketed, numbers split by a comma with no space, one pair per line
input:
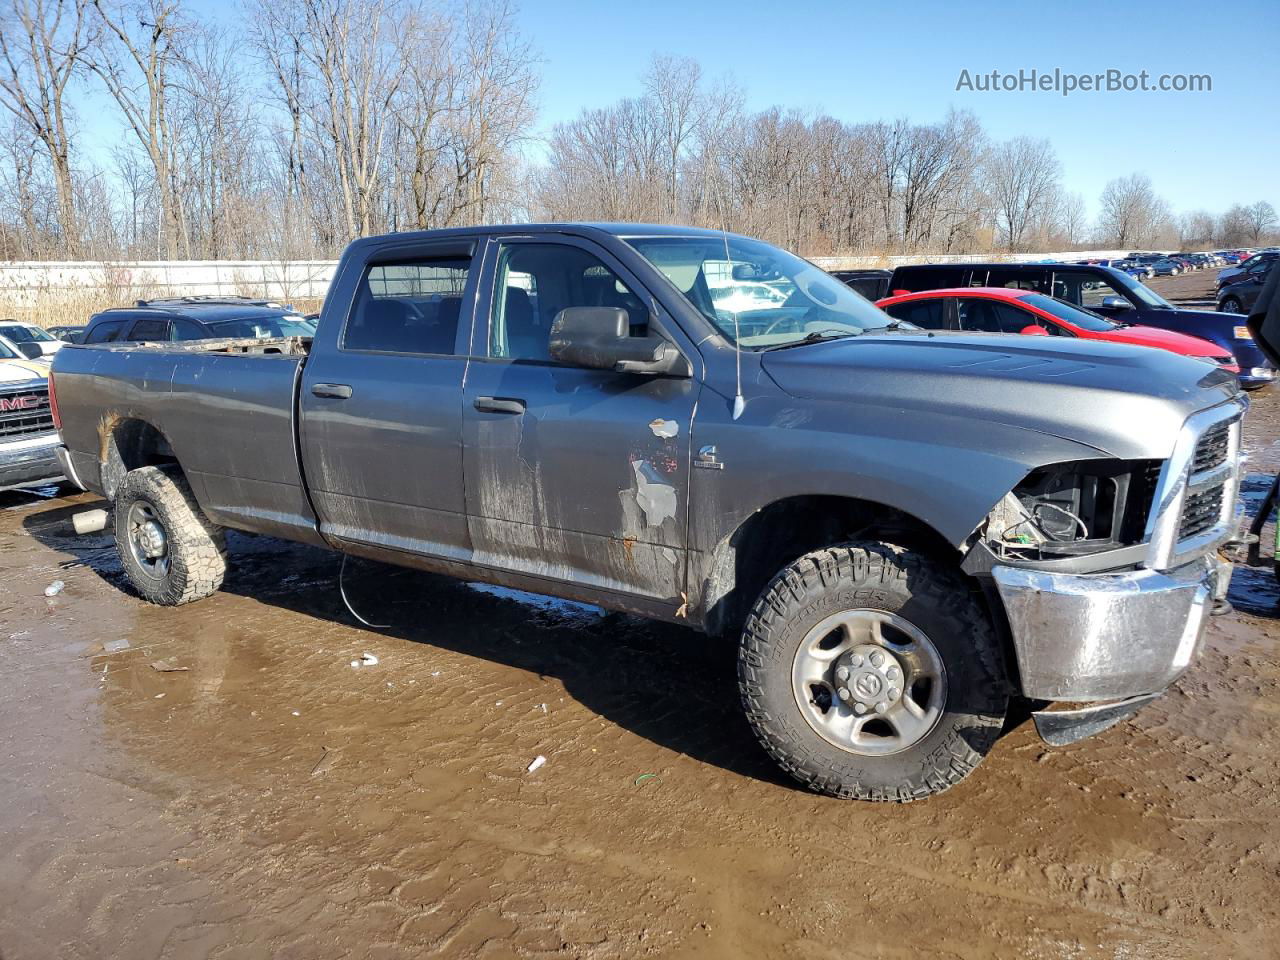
[381,405]
[573,474]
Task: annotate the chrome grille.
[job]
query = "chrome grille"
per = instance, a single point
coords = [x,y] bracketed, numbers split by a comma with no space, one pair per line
[1212,447]
[1200,512]
[1195,502]
[25,412]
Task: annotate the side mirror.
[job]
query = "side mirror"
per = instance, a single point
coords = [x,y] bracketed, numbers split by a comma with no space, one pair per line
[29,350]
[1034,330]
[1116,303]
[597,338]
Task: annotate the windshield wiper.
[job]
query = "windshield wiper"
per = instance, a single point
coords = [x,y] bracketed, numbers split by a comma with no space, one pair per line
[817,336]
[892,325]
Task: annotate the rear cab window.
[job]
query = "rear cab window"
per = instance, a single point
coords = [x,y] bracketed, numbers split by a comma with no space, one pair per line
[408,307]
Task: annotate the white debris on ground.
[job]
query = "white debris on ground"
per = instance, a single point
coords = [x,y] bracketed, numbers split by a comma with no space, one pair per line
[538,761]
[366,660]
[55,588]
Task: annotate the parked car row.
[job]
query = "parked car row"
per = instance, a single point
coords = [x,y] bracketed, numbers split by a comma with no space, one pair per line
[1086,300]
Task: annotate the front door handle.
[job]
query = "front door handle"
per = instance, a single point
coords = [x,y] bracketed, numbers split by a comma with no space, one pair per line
[334,391]
[499,405]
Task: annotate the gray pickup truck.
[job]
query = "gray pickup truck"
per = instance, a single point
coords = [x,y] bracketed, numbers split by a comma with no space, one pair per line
[906,528]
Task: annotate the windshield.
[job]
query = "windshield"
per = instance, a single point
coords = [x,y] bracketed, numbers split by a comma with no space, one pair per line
[1076,316]
[756,294]
[21,334]
[289,325]
[6,353]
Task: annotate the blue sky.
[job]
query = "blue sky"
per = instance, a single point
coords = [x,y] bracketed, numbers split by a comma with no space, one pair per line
[861,61]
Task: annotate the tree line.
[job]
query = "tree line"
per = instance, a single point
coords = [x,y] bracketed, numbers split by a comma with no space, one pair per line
[306,123]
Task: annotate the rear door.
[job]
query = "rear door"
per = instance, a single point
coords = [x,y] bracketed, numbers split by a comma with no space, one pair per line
[573,474]
[381,403]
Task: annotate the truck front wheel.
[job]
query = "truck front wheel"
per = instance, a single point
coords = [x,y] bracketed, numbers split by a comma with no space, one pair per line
[872,672]
[169,549]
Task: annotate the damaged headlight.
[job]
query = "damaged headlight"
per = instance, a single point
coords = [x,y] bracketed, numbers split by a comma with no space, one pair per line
[1074,508]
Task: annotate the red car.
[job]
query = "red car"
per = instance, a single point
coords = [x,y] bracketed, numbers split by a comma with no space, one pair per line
[1009,310]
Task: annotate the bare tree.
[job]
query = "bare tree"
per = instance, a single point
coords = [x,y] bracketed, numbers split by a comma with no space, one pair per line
[40,43]
[136,56]
[1131,212]
[1261,218]
[1022,177]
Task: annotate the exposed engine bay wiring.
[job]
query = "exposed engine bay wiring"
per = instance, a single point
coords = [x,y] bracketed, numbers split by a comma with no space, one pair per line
[350,609]
[1025,537]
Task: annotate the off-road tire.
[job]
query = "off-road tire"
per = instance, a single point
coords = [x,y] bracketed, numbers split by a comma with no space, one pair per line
[1230,305]
[879,576]
[197,548]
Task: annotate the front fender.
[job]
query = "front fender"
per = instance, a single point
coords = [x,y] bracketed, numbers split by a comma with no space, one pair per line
[945,471]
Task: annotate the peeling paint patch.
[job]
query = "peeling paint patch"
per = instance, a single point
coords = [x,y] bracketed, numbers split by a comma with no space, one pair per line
[669,555]
[664,428]
[656,498]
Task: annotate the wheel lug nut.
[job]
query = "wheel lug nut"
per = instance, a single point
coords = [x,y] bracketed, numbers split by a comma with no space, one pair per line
[877,659]
[856,660]
[842,693]
[894,673]
[893,693]
[881,707]
[859,708]
[842,673]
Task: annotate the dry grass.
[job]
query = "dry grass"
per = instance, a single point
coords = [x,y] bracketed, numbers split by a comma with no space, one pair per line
[50,306]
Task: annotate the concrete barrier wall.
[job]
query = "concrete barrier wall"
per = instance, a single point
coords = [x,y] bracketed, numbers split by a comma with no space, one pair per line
[26,284]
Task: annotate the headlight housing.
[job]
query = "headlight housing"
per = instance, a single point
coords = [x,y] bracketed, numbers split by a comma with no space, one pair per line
[1241,332]
[1074,508]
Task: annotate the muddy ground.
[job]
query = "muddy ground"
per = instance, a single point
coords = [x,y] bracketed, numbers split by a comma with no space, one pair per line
[271,800]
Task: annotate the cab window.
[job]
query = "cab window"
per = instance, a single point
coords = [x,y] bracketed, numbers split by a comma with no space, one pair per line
[929,314]
[535,281]
[408,307]
[106,332]
[991,316]
[150,329]
[1086,290]
[1014,279]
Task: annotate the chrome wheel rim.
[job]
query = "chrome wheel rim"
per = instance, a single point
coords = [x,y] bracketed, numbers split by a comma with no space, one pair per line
[147,540]
[869,682]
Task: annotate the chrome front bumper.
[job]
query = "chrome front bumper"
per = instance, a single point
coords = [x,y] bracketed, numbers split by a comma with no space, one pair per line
[29,461]
[1107,636]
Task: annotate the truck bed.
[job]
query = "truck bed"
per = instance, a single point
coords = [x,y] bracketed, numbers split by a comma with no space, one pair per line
[224,409]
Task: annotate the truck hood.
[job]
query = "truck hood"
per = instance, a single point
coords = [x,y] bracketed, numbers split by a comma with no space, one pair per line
[1122,400]
[22,371]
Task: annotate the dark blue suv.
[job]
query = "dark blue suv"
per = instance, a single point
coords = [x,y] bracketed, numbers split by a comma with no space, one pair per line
[196,318]
[1111,293]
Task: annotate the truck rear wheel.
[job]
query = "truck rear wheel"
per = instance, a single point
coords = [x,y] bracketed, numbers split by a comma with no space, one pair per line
[872,672]
[169,549]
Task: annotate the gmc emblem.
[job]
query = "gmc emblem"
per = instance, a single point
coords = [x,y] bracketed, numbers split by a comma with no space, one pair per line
[29,402]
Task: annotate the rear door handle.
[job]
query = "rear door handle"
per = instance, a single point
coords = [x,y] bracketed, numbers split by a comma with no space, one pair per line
[499,405]
[335,391]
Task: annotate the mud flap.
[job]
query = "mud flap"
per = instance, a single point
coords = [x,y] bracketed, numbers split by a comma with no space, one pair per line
[1060,727]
